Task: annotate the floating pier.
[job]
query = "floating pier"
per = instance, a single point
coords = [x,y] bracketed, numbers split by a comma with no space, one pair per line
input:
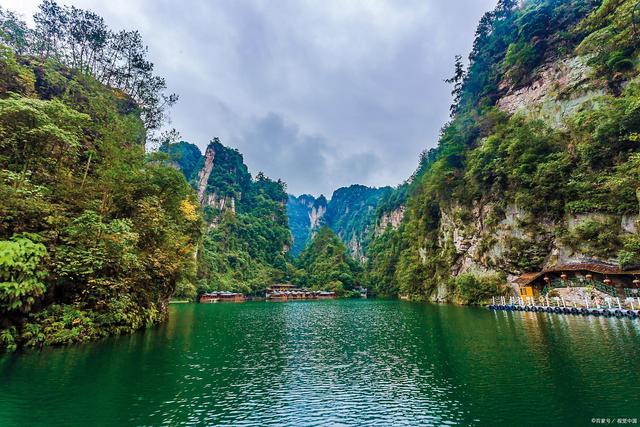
[222,296]
[629,308]
[288,292]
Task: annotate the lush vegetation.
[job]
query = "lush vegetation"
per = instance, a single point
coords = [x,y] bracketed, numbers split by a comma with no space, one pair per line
[81,41]
[471,289]
[326,265]
[298,213]
[95,235]
[247,239]
[350,213]
[185,156]
[485,157]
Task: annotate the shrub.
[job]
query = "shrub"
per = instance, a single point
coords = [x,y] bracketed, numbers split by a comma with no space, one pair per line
[474,290]
[595,237]
[20,273]
[630,254]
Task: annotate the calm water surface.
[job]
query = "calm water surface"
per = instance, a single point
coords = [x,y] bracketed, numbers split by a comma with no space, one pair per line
[337,362]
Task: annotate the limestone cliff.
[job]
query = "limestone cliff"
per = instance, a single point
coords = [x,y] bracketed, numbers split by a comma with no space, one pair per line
[205,173]
[540,164]
[559,89]
[306,215]
[391,218]
[247,234]
[317,211]
[350,214]
[221,179]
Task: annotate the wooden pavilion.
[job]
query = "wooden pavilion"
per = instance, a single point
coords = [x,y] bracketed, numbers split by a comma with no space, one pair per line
[606,278]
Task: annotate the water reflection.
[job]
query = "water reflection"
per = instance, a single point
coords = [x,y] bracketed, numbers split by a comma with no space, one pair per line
[348,362]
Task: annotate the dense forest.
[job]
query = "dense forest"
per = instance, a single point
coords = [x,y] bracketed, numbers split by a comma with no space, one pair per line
[326,265]
[247,239]
[539,162]
[350,213]
[94,234]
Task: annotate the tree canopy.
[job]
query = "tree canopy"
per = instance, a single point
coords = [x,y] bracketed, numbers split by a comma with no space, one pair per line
[95,235]
[81,41]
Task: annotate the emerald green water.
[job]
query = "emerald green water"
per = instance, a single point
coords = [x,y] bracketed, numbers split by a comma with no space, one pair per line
[335,362]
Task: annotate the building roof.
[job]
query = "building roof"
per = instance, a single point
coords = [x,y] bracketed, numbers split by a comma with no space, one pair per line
[527,278]
[593,267]
[282,285]
[220,293]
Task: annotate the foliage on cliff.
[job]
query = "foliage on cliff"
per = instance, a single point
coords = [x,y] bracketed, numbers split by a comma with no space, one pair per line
[298,214]
[589,164]
[81,41]
[229,177]
[305,214]
[94,235]
[325,264]
[244,248]
[350,213]
[185,156]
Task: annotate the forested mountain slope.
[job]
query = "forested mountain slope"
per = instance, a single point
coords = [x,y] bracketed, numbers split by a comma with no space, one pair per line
[325,264]
[540,163]
[247,237]
[350,214]
[306,214]
[95,236]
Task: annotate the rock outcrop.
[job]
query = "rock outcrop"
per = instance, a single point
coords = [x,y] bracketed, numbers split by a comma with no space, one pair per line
[205,173]
[392,218]
[558,90]
[316,212]
[306,216]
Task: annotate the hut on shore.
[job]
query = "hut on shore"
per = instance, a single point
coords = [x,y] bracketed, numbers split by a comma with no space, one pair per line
[607,278]
[288,292]
[222,296]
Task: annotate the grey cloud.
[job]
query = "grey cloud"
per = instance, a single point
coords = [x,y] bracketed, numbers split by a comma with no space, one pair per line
[357,86]
[308,163]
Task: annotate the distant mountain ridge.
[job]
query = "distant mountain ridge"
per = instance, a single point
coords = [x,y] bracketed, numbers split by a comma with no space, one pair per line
[350,213]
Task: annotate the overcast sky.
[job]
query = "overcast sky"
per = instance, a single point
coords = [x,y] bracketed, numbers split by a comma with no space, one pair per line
[322,94]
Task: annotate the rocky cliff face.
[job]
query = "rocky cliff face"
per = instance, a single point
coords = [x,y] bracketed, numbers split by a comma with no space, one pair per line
[306,216]
[205,173]
[538,166]
[350,214]
[220,177]
[487,240]
[316,212]
[391,218]
[559,89]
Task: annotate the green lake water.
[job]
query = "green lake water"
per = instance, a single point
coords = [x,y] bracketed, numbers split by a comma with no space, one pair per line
[335,362]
